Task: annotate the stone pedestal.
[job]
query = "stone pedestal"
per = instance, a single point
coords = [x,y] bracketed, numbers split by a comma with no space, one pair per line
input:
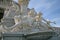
[13,36]
[0,36]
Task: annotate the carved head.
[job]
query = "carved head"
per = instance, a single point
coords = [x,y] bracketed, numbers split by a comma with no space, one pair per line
[23,1]
[31,12]
[38,17]
[39,14]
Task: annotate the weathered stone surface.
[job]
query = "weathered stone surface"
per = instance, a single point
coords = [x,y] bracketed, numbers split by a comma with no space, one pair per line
[13,36]
[5,3]
[55,38]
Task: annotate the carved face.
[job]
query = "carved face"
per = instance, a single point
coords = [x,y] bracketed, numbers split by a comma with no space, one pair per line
[25,2]
[39,14]
[37,17]
[31,13]
[20,0]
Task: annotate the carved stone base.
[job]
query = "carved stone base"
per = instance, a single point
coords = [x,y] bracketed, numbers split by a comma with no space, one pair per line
[13,36]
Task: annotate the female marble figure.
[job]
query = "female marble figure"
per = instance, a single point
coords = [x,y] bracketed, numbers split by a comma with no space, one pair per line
[9,16]
[28,18]
[13,10]
[37,20]
[26,22]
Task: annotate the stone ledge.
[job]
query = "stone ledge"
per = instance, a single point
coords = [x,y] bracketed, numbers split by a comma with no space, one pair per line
[0,34]
[13,34]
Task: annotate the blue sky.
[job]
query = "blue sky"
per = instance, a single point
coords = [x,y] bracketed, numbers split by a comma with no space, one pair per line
[49,8]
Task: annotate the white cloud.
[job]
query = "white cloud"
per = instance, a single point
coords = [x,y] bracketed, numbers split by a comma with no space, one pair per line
[57,25]
[56,19]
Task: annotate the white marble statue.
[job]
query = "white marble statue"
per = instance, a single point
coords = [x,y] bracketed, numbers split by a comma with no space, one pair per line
[37,24]
[17,19]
